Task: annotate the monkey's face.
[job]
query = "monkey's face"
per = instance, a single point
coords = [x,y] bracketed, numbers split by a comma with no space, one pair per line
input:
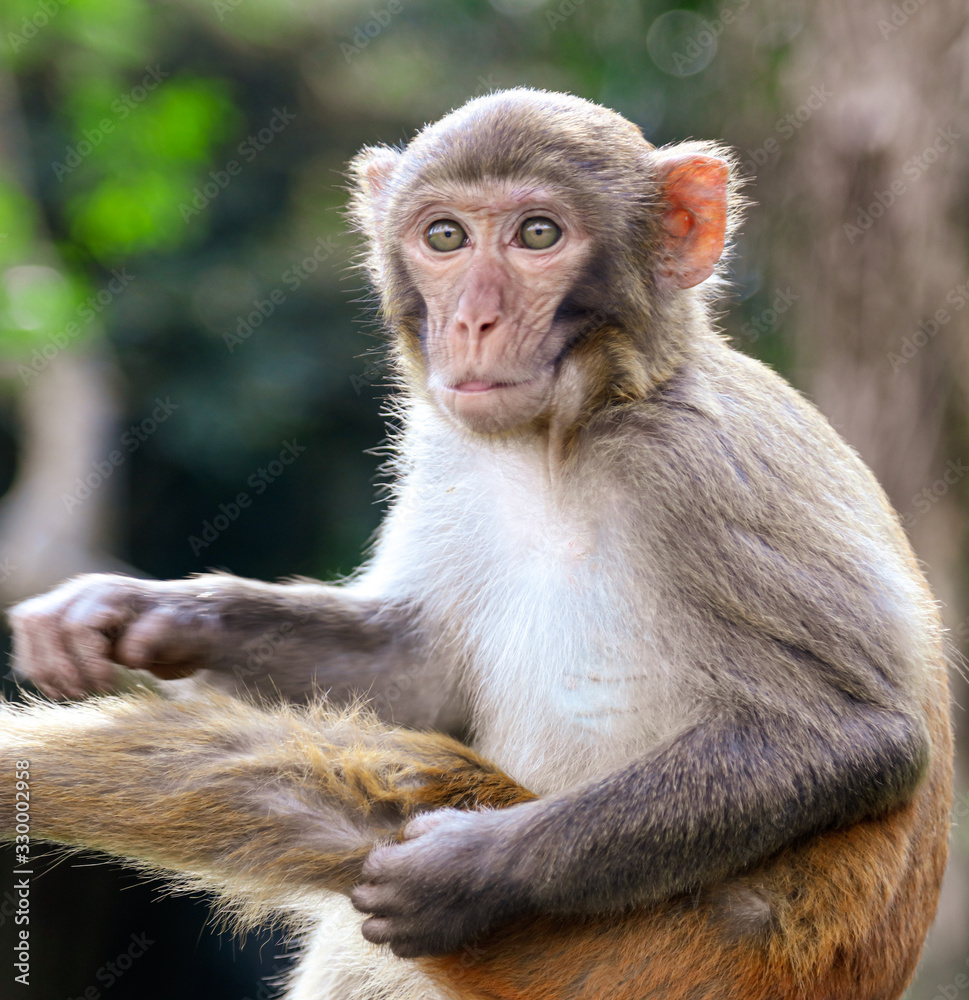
[529,250]
[492,264]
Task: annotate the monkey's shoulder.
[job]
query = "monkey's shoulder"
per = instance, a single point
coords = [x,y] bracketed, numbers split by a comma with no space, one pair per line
[737,436]
[756,510]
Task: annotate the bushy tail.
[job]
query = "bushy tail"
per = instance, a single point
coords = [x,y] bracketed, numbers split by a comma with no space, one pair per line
[266,806]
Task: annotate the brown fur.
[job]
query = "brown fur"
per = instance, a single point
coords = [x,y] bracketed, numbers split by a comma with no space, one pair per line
[261,805]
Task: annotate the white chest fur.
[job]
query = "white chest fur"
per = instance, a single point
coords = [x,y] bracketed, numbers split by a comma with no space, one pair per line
[541,604]
[557,631]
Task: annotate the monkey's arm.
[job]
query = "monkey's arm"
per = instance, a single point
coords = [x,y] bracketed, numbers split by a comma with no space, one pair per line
[287,641]
[716,799]
[267,807]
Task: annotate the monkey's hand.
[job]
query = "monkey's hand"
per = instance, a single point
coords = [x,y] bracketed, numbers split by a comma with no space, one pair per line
[451,879]
[69,642]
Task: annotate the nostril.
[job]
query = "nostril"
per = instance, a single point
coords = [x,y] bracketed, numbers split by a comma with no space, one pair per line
[475,327]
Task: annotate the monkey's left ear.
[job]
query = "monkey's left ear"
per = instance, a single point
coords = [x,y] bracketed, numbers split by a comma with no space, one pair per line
[694,190]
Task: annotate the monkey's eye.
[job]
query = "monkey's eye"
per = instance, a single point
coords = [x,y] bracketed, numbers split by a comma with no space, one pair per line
[537,234]
[445,235]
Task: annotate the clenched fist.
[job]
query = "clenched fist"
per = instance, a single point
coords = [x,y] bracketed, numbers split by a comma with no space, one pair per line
[69,642]
[454,876]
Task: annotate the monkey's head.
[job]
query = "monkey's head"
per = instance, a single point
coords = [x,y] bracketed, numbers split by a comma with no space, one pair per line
[531,252]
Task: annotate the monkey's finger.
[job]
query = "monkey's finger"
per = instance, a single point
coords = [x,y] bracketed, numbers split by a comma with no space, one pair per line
[378,930]
[382,864]
[32,662]
[169,641]
[38,654]
[406,939]
[379,899]
[62,676]
[415,947]
[87,631]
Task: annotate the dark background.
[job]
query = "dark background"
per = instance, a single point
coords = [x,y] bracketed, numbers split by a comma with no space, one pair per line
[126,157]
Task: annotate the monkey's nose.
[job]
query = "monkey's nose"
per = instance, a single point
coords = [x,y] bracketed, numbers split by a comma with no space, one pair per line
[475,328]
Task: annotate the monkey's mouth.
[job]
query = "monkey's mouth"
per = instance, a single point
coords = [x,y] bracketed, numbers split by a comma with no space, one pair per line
[482,386]
[487,406]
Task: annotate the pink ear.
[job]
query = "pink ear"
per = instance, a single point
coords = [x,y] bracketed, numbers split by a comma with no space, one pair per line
[375,166]
[371,171]
[694,218]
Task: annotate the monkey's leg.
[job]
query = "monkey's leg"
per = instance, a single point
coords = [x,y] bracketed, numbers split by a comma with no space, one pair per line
[268,807]
[842,916]
[265,806]
[745,940]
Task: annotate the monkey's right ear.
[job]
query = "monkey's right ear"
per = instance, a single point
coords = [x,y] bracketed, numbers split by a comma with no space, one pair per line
[371,174]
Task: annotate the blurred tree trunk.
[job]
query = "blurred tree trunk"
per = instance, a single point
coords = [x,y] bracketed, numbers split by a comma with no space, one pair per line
[68,416]
[874,243]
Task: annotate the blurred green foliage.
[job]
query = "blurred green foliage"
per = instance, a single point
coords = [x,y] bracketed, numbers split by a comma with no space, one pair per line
[171,136]
[199,145]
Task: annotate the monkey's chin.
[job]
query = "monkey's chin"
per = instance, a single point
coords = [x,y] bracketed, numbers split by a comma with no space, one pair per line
[493,407]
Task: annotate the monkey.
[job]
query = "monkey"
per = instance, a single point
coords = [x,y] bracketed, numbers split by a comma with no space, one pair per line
[698,677]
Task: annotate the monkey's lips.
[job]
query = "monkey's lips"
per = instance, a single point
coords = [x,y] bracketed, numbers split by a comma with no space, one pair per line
[491,406]
[480,386]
